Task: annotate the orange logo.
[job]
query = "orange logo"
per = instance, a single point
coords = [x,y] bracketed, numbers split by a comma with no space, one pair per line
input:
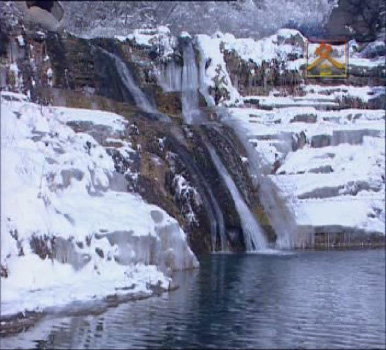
[324,63]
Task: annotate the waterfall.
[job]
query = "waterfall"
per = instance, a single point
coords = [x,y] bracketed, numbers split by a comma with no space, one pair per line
[190,84]
[185,80]
[212,207]
[170,77]
[253,234]
[280,216]
[138,95]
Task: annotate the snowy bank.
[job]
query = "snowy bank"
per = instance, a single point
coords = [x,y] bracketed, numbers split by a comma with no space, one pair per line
[69,230]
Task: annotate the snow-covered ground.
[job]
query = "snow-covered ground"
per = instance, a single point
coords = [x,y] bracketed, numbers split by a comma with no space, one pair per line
[69,230]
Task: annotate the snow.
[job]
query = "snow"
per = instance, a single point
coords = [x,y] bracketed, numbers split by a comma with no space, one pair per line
[18,79]
[355,58]
[325,185]
[20,40]
[50,75]
[46,285]
[189,196]
[278,121]
[289,48]
[339,158]
[215,74]
[347,212]
[106,119]
[57,188]
[159,37]
[41,34]
[367,62]
[318,95]
[338,187]
[266,49]
[282,101]
[185,35]
[13,96]
[364,93]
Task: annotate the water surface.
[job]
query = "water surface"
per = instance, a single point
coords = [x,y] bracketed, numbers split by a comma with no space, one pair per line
[308,299]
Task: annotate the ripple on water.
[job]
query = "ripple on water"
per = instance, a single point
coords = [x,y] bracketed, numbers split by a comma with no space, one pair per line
[279,299]
[269,251]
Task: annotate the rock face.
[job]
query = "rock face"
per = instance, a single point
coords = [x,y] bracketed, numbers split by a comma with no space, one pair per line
[252,79]
[83,76]
[62,61]
[46,14]
[285,115]
[278,62]
[220,192]
[354,20]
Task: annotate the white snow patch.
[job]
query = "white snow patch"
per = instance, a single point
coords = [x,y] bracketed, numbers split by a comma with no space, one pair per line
[50,75]
[107,119]
[213,72]
[268,48]
[20,40]
[159,37]
[185,35]
[56,187]
[16,74]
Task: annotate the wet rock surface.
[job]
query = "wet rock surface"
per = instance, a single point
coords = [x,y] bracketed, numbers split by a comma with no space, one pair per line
[70,71]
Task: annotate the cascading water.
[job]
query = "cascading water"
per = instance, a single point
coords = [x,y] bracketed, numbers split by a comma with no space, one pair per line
[176,78]
[170,77]
[183,79]
[212,207]
[190,84]
[138,95]
[253,234]
[279,216]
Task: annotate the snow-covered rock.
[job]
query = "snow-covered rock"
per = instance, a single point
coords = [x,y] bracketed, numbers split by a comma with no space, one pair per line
[188,196]
[286,45]
[159,38]
[238,65]
[319,147]
[213,73]
[324,168]
[65,223]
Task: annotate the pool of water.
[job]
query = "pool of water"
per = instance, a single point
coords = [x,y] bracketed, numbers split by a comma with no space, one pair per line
[314,299]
